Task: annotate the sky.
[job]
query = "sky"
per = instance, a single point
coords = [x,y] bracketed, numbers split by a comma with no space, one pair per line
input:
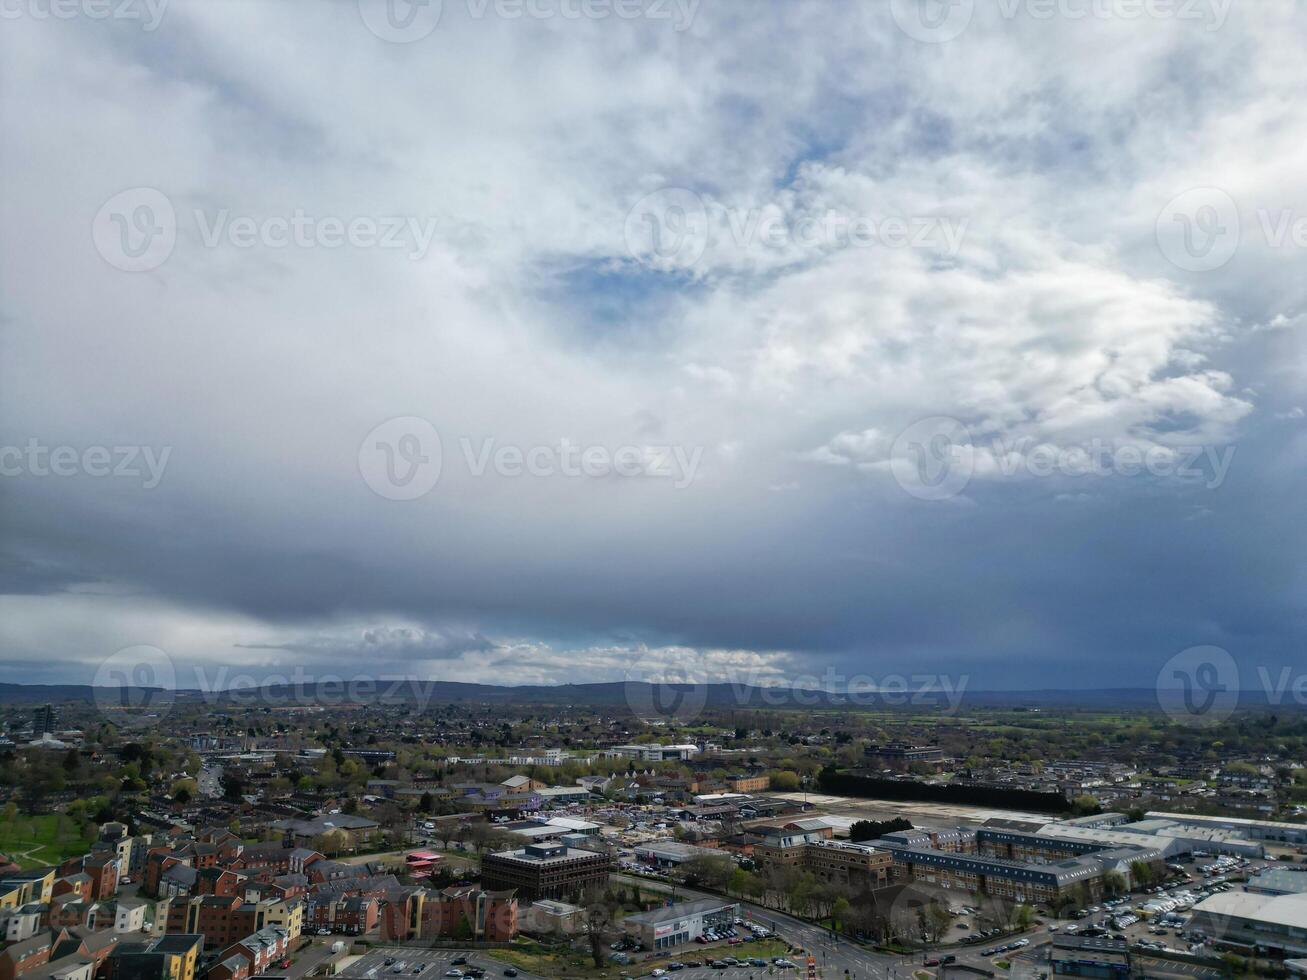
[547,341]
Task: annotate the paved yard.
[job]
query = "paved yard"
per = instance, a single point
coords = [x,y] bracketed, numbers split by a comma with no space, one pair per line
[421,964]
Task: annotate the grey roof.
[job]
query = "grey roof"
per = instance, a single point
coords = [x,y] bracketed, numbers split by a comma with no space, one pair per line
[681,911]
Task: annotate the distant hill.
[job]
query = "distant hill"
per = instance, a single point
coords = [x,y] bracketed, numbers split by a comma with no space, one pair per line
[639,696]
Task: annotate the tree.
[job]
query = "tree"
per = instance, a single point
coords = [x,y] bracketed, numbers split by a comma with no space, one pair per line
[600,924]
[745,884]
[1142,873]
[331,843]
[1084,804]
[708,871]
[1114,882]
[785,781]
[839,912]
[862,830]
[233,787]
[464,928]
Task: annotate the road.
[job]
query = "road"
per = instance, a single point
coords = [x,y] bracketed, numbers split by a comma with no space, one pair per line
[209,782]
[834,955]
[309,959]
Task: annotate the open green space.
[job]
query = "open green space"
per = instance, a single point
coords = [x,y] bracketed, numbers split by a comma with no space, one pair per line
[37,841]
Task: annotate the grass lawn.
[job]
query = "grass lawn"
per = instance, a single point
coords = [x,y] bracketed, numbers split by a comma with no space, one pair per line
[33,842]
[564,961]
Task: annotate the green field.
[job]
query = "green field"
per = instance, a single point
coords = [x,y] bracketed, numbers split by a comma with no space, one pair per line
[34,842]
[545,961]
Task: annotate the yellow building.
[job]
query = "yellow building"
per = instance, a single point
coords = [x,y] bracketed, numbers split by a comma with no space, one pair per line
[11,895]
[289,914]
[181,953]
[32,886]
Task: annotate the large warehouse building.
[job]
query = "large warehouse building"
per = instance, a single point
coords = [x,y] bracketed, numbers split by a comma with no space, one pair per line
[1268,831]
[1275,924]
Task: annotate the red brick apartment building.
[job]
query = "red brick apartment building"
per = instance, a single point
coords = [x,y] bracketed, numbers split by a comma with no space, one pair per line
[262,949]
[420,914]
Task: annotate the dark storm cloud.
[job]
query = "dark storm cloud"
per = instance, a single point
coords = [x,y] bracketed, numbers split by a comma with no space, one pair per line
[785,357]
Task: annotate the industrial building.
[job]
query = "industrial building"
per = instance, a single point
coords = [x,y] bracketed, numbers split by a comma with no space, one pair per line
[672,854]
[1272,924]
[1081,956]
[653,752]
[667,928]
[1268,831]
[1278,881]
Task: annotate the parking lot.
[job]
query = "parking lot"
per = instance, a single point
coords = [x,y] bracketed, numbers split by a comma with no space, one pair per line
[408,963]
[743,969]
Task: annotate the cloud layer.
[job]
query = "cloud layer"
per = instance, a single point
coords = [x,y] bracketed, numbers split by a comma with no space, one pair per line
[673,296]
